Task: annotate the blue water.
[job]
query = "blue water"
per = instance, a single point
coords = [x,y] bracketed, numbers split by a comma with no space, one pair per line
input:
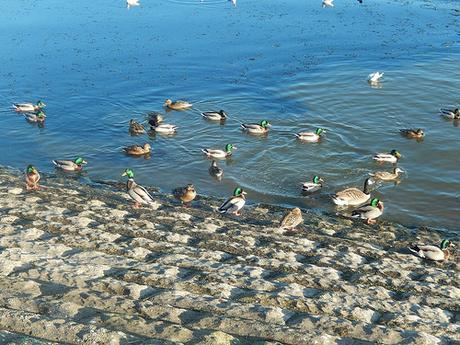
[97,65]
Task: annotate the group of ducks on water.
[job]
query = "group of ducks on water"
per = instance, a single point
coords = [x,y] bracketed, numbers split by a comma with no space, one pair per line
[233,205]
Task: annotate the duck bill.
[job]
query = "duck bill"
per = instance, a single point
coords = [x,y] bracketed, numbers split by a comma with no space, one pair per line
[84,162]
[124,174]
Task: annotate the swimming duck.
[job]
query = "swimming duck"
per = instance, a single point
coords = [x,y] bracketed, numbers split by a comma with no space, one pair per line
[387,176]
[28,107]
[313,186]
[215,115]
[39,116]
[68,165]
[164,128]
[138,193]
[235,203]
[391,157]
[177,105]
[450,114]
[220,154]
[374,77]
[353,196]
[256,128]
[369,212]
[185,194]
[135,127]
[328,3]
[291,219]
[215,170]
[312,137]
[137,150]
[32,178]
[434,253]
[131,3]
[412,133]
[155,119]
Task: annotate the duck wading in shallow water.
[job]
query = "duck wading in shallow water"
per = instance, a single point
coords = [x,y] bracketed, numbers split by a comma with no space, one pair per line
[219,154]
[450,114]
[177,105]
[353,196]
[312,137]
[38,117]
[185,194]
[137,150]
[391,157]
[216,171]
[68,165]
[215,115]
[135,127]
[291,219]
[256,128]
[387,176]
[32,178]
[433,253]
[313,186]
[369,212]
[28,107]
[138,193]
[412,133]
[234,204]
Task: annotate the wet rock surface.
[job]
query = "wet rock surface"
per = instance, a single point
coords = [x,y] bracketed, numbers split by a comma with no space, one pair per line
[79,265]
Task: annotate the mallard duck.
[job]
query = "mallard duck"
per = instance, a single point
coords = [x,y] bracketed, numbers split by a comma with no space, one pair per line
[235,203]
[215,115]
[131,3]
[138,193]
[374,77]
[434,253]
[185,194]
[353,196]
[177,105]
[32,178]
[256,128]
[369,212]
[155,119]
[312,137]
[291,219]
[164,128]
[313,186]
[328,3]
[219,154]
[28,107]
[215,170]
[412,133]
[450,114]
[135,127]
[39,116]
[68,165]
[387,176]
[391,157]
[138,150]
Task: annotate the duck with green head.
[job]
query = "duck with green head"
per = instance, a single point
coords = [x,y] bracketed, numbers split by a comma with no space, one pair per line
[433,253]
[450,114]
[235,203]
[139,194]
[312,137]
[215,115]
[219,154]
[38,117]
[369,212]
[314,185]
[32,178]
[256,128]
[392,157]
[68,165]
[28,107]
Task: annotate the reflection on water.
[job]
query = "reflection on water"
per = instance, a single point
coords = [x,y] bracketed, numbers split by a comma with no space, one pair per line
[294,63]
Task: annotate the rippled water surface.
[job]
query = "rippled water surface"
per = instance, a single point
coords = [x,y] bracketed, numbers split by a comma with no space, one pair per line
[98,64]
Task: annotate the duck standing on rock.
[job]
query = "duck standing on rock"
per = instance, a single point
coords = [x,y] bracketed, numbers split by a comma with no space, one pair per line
[32,178]
[38,117]
[219,154]
[135,127]
[391,157]
[177,105]
[312,137]
[316,184]
[68,165]
[291,219]
[28,107]
[216,171]
[433,253]
[215,115]
[412,133]
[369,212]
[138,193]
[235,203]
[137,150]
[185,194]
[256,128]
[353,196]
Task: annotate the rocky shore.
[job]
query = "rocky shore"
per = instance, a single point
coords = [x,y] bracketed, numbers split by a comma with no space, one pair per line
[79,265]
